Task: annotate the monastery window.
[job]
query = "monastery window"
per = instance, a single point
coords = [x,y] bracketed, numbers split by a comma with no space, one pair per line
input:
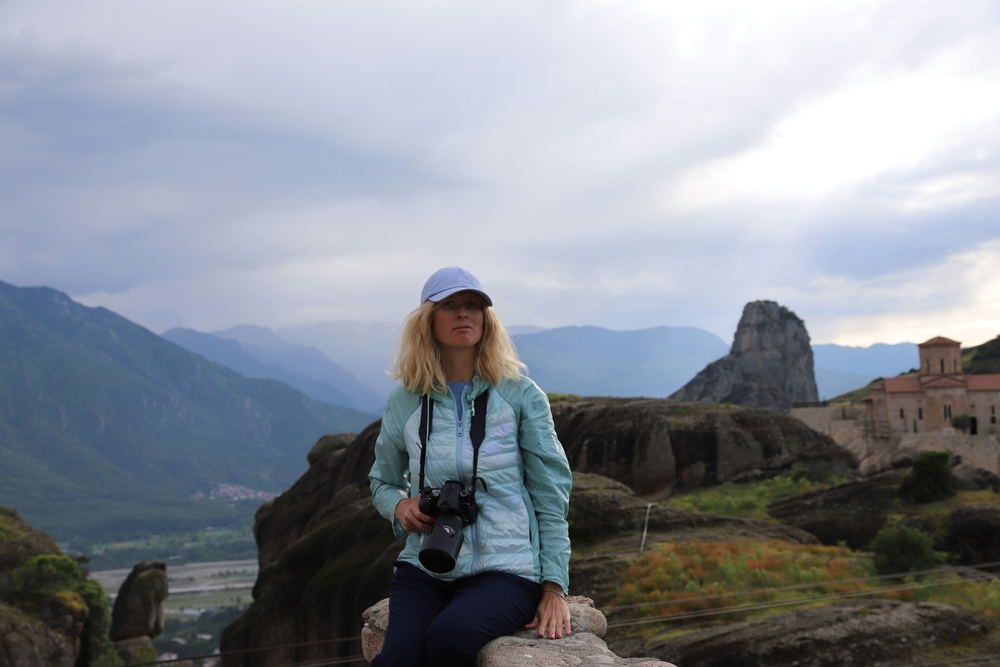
[901,415]
[920,413]
[947,412]
[942,365]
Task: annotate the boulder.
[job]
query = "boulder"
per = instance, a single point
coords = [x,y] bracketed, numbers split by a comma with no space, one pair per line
[140,607]
[49,612]
[584,645]
[136,650]
[26,641]
[974,537]
[329,444]
[853,512]
[770,364]
[971,478]
[654,445]
[851,634]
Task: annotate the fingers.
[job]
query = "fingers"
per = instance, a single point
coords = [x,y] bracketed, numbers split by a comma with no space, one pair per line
[411,518]
[553,617]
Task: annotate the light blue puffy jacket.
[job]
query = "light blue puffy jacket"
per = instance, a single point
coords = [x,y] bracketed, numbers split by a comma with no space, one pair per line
[522,526]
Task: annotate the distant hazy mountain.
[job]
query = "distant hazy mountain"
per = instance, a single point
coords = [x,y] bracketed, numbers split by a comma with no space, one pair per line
[257,352]
[592,361]
[840,368]
[521,329]
[106,427]
[366,349]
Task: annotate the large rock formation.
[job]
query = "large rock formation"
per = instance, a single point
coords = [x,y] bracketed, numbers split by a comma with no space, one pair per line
[769,366]
[654,445]
[852,513]
[974,536]
[851,634]
[50,613]
[326,555]
[139,611]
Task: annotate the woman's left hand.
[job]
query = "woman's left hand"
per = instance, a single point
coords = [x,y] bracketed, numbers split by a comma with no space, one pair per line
[552,615]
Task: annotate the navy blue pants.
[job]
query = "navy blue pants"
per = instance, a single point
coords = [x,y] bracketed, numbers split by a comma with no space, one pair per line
[437,623]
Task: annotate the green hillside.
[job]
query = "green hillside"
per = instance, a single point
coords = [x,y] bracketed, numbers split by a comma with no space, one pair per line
[982,359]
[106,428]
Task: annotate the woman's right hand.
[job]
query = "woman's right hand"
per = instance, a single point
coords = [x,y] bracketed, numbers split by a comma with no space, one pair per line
[409,515]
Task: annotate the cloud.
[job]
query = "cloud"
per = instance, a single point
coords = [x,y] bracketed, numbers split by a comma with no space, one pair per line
[618,164]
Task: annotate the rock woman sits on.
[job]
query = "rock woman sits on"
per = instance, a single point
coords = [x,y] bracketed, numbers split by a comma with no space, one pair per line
[469,469]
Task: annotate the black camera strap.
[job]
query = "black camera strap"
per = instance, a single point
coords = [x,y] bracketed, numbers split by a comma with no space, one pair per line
[477,431]
[426,418]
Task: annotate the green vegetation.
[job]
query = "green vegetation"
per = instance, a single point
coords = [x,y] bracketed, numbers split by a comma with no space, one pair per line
[929,479]
[681,578]
[561,398]
[55,584]
[857,394]
[210,624]
[745,500]
[900,549]
[235,543]
[983,358]
[106,429]
[961,422]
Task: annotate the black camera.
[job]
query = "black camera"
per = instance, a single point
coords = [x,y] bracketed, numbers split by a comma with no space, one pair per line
[453,508]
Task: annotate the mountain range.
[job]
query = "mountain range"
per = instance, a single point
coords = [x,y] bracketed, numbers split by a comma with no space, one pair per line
[106,427]
[345,363]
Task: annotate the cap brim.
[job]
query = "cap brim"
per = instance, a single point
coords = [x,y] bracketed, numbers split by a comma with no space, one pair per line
[455,290]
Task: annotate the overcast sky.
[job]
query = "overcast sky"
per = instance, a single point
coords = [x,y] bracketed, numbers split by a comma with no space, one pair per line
[621,164]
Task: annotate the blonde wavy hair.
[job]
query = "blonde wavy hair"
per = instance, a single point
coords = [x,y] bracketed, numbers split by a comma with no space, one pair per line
[418,363]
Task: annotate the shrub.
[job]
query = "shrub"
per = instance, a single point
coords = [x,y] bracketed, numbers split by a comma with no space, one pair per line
[929,480]
[961,422]
[56,576]
[899,549]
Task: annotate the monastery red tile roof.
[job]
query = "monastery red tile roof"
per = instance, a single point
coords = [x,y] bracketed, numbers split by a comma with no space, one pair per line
[903,385]
[939,340]
[982,382]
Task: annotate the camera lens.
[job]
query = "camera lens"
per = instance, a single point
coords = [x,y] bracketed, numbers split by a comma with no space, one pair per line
[442,544]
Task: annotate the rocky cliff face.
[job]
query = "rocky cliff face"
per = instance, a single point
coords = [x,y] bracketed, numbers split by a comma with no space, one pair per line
[655,445]
[50,613]
[326,555]
[769,366]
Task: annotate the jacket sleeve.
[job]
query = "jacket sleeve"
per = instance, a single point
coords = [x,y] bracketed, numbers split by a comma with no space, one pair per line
[548,481]
[388,477]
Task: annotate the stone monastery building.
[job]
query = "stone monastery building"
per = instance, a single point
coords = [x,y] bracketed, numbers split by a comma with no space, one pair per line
[928,401]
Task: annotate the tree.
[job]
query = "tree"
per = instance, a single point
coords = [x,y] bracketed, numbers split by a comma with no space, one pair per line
[961,422]
[900,549]
[929,479]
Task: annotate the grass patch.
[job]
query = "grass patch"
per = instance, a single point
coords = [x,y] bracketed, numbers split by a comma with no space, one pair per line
[236,543]
[748,501]
[561,398]
[940,511]
[679,578]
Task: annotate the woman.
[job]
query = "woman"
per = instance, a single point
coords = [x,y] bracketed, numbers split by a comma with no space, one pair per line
[512,569]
